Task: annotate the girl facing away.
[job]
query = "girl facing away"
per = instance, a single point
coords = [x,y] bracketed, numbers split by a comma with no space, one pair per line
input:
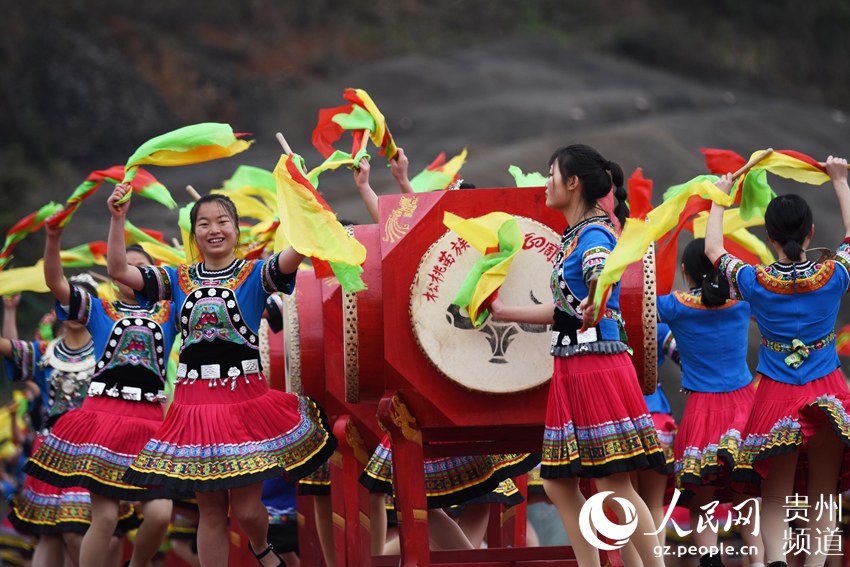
[798,428]
[711,334]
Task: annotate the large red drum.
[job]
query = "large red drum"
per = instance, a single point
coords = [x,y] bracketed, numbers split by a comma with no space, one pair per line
[405,325]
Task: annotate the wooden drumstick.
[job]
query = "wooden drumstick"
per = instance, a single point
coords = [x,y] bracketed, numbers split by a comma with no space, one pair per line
[749,165]
[823,164]
[591,293]
[192,193]
[97,276]
[366,135]
[286,149]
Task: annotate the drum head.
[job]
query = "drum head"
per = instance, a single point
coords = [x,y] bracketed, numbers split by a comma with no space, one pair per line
[499,357]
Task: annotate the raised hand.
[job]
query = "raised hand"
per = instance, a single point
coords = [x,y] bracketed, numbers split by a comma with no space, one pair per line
[725,183]
[11,302]
[119,211]
[836,168]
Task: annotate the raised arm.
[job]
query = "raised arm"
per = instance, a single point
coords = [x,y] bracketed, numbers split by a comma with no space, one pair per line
[54,276]
[399,166]
[10,323]
[116,249]
[10,316]
[714,248]
[361,179]
[289,260]
[837,170]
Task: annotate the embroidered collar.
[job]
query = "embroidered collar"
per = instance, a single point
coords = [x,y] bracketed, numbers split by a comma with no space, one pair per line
[157,312]
[576,228]
[224,273]
[64,359]
[795,278]
[68,353]
[790,268]
[693,299]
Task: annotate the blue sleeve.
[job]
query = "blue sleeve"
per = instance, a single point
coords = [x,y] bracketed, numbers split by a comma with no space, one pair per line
[594,245]
[667,307]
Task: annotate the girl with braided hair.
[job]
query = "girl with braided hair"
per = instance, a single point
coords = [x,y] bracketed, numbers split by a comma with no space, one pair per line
[597,422]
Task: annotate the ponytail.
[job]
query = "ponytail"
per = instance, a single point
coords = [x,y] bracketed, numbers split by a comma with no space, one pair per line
[714,287]
[788,220]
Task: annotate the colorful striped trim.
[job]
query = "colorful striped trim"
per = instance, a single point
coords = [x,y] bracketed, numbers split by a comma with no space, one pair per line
[159,314]
[96,468]
[605,446]
[36,513]
[215,467]
[786,436]
[593,261]
[161,279]
[79,305]
[842,254]
[189,279]
[273,279]
[667,440]
[318,482]
[23,356]
[729,266]
[698,466]
[449,480]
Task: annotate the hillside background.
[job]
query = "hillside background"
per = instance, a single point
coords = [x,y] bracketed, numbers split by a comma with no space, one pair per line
[648,82]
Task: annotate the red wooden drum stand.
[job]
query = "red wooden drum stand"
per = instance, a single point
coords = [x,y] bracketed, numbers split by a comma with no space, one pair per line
[439,386]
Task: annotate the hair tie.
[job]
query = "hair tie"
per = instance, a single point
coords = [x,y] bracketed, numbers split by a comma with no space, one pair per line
[608,165]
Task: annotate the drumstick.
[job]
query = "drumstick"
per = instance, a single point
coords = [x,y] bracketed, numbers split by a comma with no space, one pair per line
[192,193]
[286,149]
[97,276]
[591,293]
[823,164]
[366,134]
[749,165]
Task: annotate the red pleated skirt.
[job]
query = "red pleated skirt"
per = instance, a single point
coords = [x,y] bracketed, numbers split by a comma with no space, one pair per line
[44,509]
[783,418]
[449,481]
[666,428]
[216,437]
[709,437]
[93,447]
[597,422]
